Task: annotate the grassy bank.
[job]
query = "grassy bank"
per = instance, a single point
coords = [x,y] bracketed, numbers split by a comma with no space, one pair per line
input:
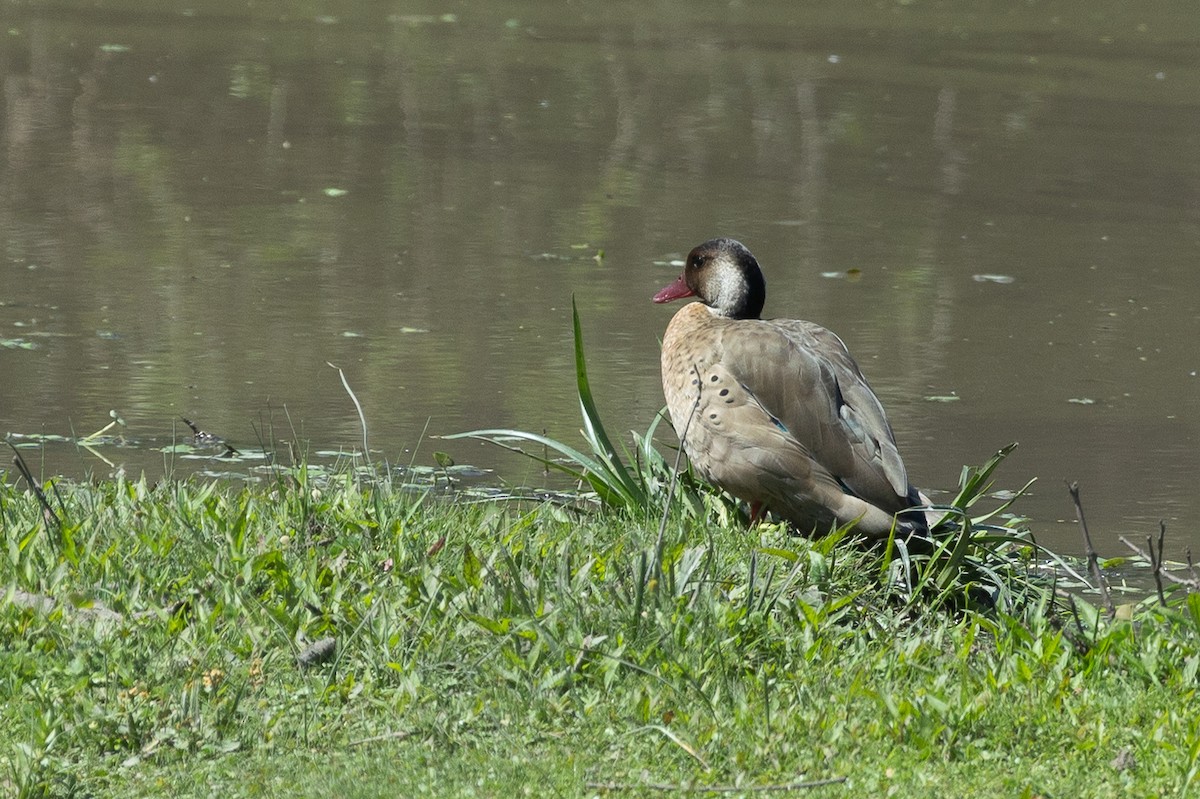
[338,640]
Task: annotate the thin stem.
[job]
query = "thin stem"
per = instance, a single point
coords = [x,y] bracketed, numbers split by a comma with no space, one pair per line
[1092,558]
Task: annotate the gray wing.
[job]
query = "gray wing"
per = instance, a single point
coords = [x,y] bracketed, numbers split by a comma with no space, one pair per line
[803,375]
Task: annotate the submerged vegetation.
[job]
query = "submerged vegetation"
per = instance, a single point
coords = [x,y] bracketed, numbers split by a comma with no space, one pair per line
[328,634]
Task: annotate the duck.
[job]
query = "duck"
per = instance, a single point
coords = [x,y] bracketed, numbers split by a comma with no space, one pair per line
[776,412]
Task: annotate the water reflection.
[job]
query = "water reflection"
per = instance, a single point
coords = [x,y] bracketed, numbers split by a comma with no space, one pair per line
[199,210]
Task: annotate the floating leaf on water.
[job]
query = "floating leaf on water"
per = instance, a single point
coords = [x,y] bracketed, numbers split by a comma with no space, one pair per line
[1002,279]
[512,24]
[114,48]
[466,470]
[351,334]
[1082,400]
[108,335]
[332,192]
[849,274]
[583,246]
[413,330]
[17,344]
[943,398]
[338,453]
[443,460]
[42,437]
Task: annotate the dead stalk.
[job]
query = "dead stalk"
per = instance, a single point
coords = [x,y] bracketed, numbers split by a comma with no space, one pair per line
[661,786]
[1092,558]
[1191,582]
[48,514]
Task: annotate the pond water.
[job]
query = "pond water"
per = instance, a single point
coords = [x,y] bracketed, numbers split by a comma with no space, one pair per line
[996,204]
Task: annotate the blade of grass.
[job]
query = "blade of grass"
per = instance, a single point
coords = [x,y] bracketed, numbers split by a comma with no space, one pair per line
[593,427]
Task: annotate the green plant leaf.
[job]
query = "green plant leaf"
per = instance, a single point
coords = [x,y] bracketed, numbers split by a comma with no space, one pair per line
[593,427]
[472,568]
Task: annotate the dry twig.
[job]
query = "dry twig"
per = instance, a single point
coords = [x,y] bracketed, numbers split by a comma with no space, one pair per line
[662,786]
[1092,558]
[48,514]
[1157,561]
[1192,582]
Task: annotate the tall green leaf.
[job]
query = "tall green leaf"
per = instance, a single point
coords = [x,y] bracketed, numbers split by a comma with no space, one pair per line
[593,428]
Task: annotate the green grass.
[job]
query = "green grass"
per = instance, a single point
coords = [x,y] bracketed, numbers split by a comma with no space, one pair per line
[506,649]
[338,634]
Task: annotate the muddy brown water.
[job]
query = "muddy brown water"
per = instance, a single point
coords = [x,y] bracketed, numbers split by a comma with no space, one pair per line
[997,205]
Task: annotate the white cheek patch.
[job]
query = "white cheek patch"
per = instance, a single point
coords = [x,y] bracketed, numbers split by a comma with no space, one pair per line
[730,290]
